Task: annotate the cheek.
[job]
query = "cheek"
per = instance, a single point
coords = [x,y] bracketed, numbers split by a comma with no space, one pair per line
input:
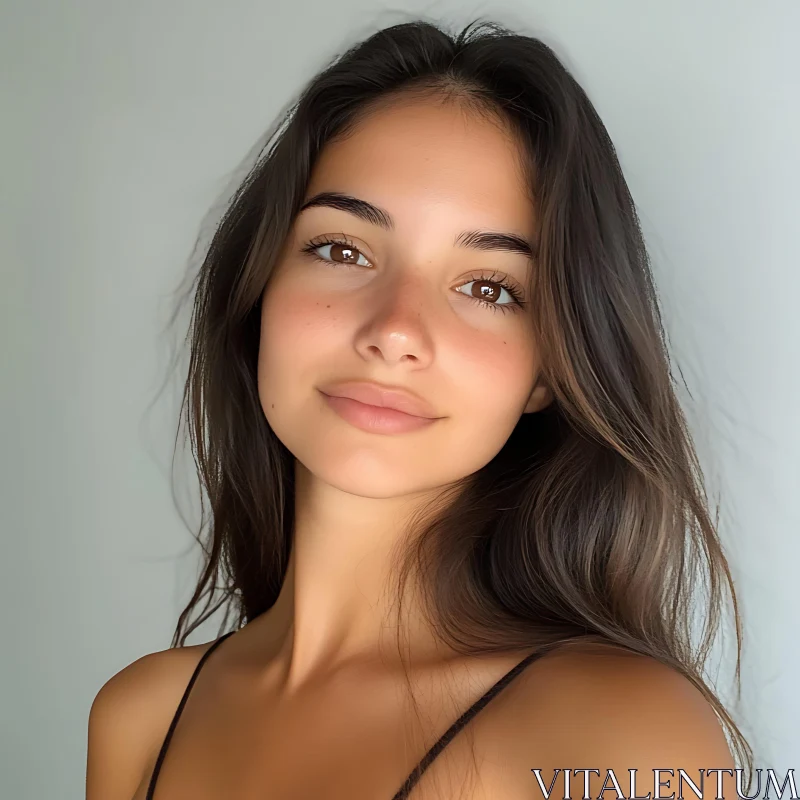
[297,328]
[297,322]
[489,378]
[496,371]
[291,314]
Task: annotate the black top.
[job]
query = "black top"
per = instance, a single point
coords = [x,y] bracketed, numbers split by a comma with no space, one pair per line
[416,773]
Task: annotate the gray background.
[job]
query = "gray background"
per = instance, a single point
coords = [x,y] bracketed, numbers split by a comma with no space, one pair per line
[123,124]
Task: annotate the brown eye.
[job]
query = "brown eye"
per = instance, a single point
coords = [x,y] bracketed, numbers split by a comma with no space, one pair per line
[338,253]
[485,290]
[344,253]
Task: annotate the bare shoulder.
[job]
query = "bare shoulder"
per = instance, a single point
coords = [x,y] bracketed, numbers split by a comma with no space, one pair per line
[130,716]
[614,701]
[607,708]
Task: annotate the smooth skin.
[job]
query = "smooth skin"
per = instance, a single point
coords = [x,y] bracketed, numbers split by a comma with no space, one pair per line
[309,699]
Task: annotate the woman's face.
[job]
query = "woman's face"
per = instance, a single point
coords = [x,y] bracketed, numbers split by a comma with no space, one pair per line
[399,302]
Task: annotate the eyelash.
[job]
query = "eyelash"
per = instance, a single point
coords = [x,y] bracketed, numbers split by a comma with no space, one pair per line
[518,302]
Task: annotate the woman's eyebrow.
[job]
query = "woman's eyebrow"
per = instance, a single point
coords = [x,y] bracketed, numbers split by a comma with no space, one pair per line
[478,240]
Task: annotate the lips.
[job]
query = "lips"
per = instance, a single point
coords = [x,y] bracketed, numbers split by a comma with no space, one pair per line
[382,396]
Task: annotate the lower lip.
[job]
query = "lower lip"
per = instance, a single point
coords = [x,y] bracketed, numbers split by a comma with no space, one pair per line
[373,418]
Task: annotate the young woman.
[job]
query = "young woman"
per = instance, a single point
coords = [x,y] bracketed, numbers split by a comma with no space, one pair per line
[454,503]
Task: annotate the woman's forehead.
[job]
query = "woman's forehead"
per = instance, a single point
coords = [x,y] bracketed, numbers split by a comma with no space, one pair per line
[430,158]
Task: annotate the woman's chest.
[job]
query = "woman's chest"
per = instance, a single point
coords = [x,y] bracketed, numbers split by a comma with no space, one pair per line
[326,759]
[354,744]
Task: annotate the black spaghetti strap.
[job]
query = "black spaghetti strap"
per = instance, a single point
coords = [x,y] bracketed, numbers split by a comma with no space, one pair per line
[450,733]
[416,773]
[178,712]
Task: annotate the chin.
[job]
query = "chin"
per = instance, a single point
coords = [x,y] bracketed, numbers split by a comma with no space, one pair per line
[364,472]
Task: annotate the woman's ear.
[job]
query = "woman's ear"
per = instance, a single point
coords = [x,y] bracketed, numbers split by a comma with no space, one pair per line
[540,398]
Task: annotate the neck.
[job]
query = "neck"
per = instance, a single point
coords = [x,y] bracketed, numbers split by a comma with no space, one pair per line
[338,604]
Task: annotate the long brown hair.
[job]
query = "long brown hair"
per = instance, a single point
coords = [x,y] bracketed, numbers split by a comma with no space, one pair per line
[592,523]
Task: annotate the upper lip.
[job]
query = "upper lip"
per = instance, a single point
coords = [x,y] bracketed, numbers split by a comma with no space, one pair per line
[383,396]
